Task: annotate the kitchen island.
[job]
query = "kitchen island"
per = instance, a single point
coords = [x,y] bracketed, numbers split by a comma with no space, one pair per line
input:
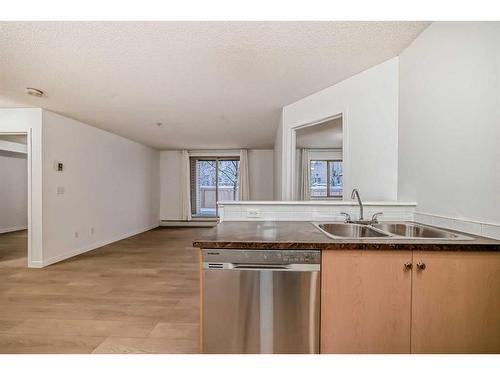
[391,294]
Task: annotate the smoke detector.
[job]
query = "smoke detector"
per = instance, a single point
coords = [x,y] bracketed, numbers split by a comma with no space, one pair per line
[34,92]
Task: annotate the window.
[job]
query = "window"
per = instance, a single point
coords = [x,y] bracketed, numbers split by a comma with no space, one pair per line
[325,178]
[213,180]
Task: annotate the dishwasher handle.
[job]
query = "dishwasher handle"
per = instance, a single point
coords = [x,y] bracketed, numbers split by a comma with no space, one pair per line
[259,267]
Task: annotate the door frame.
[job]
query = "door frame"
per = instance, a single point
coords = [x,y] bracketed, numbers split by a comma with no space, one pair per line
[289,149]
[27,133]
[216,159]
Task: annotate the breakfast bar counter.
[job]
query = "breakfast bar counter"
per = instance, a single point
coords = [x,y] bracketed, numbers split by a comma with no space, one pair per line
[303,235]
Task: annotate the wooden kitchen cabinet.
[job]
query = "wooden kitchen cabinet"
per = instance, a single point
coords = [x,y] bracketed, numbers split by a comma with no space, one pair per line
[365,301]
[449,302]
[456,302]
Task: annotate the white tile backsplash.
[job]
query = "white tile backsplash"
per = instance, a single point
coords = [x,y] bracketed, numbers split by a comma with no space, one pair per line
[330,211]
[463,225]
[301,208]
[314,211]
[467,226]
[424,219]
[302,216]
[489,230]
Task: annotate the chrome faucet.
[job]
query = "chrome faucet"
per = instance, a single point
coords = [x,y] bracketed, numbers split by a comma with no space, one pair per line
[375,216]
[355,194]
[347,217]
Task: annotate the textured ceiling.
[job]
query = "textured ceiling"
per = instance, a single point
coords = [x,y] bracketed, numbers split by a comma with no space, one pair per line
[211,84]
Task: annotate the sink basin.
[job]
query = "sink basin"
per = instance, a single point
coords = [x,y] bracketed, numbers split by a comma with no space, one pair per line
[413,230]
[389,230]
[347,230]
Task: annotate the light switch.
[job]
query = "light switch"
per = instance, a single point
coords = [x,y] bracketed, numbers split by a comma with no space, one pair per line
[58,166]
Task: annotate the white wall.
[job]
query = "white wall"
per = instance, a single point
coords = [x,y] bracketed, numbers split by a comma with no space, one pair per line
[111,184]
[261,174]
[369,104]
[170,185]
[260,171]
[449,121]
[13,192]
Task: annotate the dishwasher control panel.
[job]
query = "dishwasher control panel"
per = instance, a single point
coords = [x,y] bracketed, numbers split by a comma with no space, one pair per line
[262,256]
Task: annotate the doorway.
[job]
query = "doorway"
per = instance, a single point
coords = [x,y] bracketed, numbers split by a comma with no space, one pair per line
[14,194]
[319,160]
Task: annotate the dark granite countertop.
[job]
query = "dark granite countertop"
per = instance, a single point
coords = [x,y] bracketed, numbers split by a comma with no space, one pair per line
[305,236]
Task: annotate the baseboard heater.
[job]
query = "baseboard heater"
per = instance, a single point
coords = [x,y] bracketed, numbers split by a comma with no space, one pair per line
[207,223]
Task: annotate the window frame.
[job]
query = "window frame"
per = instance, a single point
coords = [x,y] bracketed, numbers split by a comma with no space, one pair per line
[329,195]
[192,189]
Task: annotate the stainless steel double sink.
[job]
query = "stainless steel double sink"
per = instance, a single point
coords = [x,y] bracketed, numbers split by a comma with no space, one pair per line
[388,230]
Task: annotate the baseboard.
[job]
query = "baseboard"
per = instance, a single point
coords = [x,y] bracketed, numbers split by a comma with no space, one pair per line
[204,223]
[478,228]
[35,264]
[70,254]
[13,229]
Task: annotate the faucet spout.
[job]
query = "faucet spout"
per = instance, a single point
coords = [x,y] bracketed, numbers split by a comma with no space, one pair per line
[355,194]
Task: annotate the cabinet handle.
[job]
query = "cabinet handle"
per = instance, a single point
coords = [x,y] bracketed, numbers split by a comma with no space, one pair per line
[421,266]
[408,266]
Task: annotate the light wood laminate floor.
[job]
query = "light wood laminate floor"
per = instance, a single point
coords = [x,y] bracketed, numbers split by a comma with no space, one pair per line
[138,295]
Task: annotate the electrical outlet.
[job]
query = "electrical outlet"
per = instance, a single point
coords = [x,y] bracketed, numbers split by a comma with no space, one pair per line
[60,190]
[253,212]
[76,234]
[92,231]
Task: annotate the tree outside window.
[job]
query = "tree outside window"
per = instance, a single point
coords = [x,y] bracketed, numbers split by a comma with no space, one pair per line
[326,179]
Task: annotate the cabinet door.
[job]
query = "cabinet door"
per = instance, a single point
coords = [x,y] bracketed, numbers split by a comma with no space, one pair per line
[365,301]
[456,302]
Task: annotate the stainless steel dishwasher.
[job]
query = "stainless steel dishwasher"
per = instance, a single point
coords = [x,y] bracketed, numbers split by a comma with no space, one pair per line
[260,301]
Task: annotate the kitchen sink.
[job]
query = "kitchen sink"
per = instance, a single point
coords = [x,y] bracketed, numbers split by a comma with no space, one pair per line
[389,230]
[414,230]
[348,230]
